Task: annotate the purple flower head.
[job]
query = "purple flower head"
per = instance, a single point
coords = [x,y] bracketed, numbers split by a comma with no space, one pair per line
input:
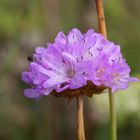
[73,60]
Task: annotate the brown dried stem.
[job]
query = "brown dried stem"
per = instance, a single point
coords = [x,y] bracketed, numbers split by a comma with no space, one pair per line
[101,18]
[80,119]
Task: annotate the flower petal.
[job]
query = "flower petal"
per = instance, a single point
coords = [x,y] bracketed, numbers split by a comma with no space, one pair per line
[32,93]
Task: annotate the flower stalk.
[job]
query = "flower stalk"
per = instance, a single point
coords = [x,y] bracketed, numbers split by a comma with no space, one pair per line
[80,119]
[112,116]
[101,18]
[102,29]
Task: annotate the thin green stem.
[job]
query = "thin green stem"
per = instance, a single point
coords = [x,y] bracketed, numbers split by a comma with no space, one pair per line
[112,116]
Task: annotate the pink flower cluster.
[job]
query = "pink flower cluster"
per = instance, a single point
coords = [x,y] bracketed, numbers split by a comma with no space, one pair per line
[72,60]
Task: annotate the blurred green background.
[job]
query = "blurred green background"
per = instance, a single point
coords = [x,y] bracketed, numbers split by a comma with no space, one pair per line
[25,24]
